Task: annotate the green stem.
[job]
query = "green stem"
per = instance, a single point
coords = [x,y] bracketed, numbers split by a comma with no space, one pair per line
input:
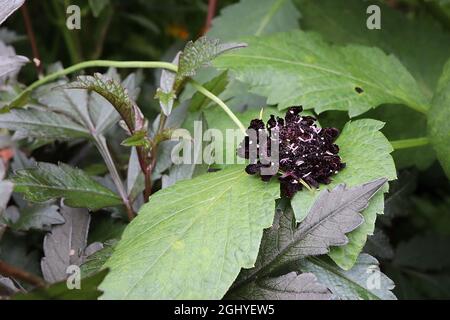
[91,64]
[409,143]
[131,65]
[217,100]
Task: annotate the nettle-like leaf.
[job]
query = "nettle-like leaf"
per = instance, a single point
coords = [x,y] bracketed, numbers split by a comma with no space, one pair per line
[95,262]
[66,244]
[59,291]
[48,181]
[366,153]
[438,126]
[254,17]
[90,110]
[291,286]
[191,240]
[334,214]
[68,114]
[38,217]
[7,8]
[199,54]
[413,39]
[364,281]
[116,94]
[38,123]
[299,68]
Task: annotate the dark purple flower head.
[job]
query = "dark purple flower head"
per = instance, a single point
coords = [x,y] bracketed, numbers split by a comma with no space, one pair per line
[307,153]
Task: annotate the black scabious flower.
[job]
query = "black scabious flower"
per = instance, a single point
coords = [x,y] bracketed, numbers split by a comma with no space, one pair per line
[307,154]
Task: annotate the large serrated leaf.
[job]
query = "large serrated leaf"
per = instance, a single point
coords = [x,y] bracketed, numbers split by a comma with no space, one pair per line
[48,181]
[254,17]
[299,68]
[438,125]
[291,286]
[366,153]
[412,38]
[42,124]
[38,217]
[334,214]
[191,240]
[65,244]
[364,281]
[116,94]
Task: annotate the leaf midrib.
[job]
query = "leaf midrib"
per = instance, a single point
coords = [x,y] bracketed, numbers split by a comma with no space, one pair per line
[297,236]
[371,84]
[35,185]
[202,213]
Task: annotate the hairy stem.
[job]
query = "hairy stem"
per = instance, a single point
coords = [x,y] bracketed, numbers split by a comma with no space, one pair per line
[409,143]
[217,100]
[14,272]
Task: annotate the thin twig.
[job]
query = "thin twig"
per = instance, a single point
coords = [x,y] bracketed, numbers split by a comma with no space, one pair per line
[14,272]
[32,38]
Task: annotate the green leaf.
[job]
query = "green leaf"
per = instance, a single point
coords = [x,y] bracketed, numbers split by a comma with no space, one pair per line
[116,94]
[48,181]
[42,124]
[38,217]
[291,286]
[59,291]
[254,17]
[95,262]
[438,125]
[366,153]
[413,38]
[65,244]
[364,281]
[191,239]
[334,214]
[199,54]
[299,68]
[139,138]
[217,85]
